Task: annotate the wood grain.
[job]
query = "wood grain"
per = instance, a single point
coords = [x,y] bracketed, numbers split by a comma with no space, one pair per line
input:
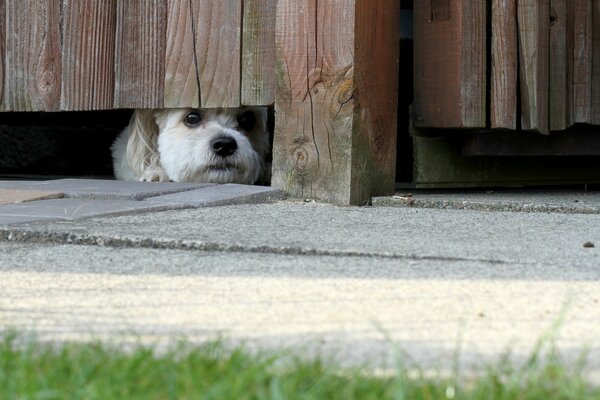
[218,46]
[88,54]
[504,74]
[596,63]
[450,64]
[258,52]
[2,54]
[332,101]
[140,54]
[375,99]
[474,64]
[534,20]
[580,15]
[33,55]
[560,114]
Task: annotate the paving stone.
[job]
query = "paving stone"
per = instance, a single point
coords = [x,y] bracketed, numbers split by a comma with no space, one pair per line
[220,195]
[21,219]
[74,209]
[568,202]
[103,189]
[10,196]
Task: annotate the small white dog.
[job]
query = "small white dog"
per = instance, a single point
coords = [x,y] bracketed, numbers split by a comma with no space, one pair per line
[225,145]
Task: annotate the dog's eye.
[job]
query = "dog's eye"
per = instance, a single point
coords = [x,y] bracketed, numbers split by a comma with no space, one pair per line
[192,118]
[246,121]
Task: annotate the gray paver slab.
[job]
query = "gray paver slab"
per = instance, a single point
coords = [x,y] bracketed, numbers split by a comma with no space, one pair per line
[104,189]
[73,209]
[21,219]
[227,194]
[10,196]
[577,202]
[496,237]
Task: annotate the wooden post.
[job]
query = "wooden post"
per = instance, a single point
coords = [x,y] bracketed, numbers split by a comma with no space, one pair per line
[33,55]
[534,37]
[258,52]
[140,54]
[337,75]
[89,54]
[450,64]
[504,75]
[212,56]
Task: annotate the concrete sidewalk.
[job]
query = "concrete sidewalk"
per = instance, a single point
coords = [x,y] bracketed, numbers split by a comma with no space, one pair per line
[359,283]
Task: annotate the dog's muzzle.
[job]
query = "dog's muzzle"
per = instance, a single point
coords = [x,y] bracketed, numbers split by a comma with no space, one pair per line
[224,146]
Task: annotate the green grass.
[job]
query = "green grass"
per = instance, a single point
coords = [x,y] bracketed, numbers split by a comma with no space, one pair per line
[31,370]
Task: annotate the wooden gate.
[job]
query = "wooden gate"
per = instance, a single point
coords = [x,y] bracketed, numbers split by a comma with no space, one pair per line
[331,67]
[542,75]
[513,66]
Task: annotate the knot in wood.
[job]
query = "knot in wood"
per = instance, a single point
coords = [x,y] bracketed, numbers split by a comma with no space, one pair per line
[345,91]
[300,158]
[47,81]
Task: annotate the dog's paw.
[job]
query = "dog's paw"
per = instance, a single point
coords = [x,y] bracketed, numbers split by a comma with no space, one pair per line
[154,174]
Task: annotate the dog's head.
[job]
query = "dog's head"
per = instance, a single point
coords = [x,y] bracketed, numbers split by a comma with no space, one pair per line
[225,145]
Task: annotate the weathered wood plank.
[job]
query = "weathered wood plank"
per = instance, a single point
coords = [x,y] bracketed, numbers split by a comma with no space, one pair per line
[560,114]
[596,63]
[2,46]
[88,54]
[33,55]
[474,63]
[215,51]
[258,52]
[450,64]
[337,83]
[580,22]
[534,20]
[303,157]
[504,74]
[140,54]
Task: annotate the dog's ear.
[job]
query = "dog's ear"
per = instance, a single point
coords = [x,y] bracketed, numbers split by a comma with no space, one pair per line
[142,144]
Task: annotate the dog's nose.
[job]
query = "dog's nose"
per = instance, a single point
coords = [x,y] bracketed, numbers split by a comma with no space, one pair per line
[224,146]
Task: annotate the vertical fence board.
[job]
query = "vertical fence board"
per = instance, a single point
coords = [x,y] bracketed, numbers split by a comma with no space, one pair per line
[88,55]
[534,20]
[503,101]
[181,86]
[580,13]
[474,63]
[33,55]
[559,114]
[437,72]
[258,52]
[217,46]
[2,55]
[450,64]
[596,63]
[331,115]
[140,54]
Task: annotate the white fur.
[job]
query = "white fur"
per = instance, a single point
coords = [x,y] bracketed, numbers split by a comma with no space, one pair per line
[158,146]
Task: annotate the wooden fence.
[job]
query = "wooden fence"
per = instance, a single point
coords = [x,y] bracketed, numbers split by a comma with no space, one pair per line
[539,69]
[104,54]
[330,67]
